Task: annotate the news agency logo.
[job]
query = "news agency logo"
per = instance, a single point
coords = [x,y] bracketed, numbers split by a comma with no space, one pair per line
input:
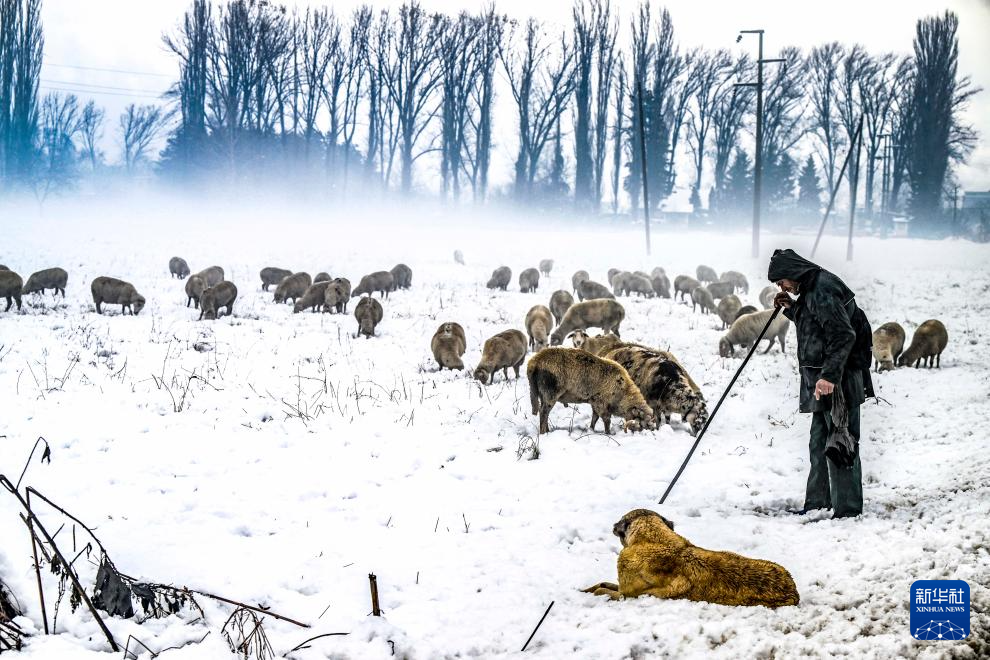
[939,609]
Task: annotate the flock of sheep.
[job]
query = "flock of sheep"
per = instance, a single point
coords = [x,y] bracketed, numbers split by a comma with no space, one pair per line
[643,385]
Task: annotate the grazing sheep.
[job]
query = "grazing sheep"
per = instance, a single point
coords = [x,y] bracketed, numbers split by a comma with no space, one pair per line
[927,344]
[529,280]
[380,281]
[746,329]
[212,275]
[604,314]
[177,267]
[292,287]
[402,275]
[737,279]
[567,375]
[612,272]
[368,314]
[560,302]
[112,291]
[706,274]
[701,297]
[448,345]
[591,290]
[458,257]
[504,350]
[594,344]
[577,278]
[11,285]
[500,278]
[743,311]
[315,297]
[663,382]
[49,278]
[539,322]
[888,343]
[684,285]
[639,284]
[2,267]
[546,265]
[337,295]
[728,309]
[222,295]
[661,285]
[720,289]
[619,282]
[194,290]
[272,275]
[657,272]
[322,277]
[767,295]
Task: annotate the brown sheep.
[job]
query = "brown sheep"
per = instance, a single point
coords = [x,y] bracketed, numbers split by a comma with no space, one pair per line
[577,278]
[738,280]
[767,295]
[927,344]
[888,343]
[546,265]
[701,297]
[112,291]
[706,274]
[292,287]
[661,285]
[368,314]
[402,276]
[314,298]
[594,344]
[721,289]
[337,295]
[381,281]
[684,285]
[504,350]
[728,309]
[212,276]
[2,267]
[539,322]
[591,290]
[619,283]
[567,375]
[604,314]
[639,284]
[529,280]
[11,285]
[194,290]
[612,272]
[500,278]
[746,329]
[743,311]
[322,276]
[272,275]
[49,278]
[222,295]
[657,272]
[177,267]
[448,345]
[560,302]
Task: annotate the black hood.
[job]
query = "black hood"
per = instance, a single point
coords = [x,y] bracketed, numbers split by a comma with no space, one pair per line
[788,264]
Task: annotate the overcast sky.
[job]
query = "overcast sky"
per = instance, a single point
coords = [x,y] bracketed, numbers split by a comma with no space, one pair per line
[126,35]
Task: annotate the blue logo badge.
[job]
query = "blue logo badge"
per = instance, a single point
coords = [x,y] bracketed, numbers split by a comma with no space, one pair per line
[939,609]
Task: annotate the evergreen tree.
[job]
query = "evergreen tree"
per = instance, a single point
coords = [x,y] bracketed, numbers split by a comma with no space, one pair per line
[809,189]
[738,184]
[779,177]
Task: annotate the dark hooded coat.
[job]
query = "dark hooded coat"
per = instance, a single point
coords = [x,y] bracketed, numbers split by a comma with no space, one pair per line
[831,331]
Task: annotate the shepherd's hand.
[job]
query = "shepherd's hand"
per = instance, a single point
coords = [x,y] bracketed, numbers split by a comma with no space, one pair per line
[823,387]
[782,299]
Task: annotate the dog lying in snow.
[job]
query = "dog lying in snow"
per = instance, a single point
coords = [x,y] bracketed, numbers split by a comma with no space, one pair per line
[658,562]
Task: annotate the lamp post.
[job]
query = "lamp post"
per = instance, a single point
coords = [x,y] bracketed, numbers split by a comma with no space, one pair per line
[758,158]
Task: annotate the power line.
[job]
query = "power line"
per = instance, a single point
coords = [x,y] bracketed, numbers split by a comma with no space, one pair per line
[97,68]
[93,91]
[110,87]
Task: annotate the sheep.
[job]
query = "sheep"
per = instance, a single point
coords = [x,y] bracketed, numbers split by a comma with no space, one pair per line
[568,375]
[322,277]
[337,295]
[746,329]
[448,345]
[657,272]
[315,297]
[927,344]
[888,344]
[194,290]
[458,257]
[737,278]
[500,278]
[381,281]
[222,295]
[618,282]
[49,278]
[504,350]
[701,297]
[604,314]
[177,267]
[529,280]
[591,290]
[721,289]
[539,321]
[594,344]
[612,272]
[661,285]
[560,302]
[402,275]
[115,292]
[368,314]
[639,284]
[728,309]
[577,278]
[11,285]
[212,276]
[272,275]
[684,285]
[743,311]
[546,265]
[292,287]
[767,295]
[706,274]
[2,267]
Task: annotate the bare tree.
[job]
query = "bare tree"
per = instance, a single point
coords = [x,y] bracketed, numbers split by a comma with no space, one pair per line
[608,32]
[712,73]
[139,127]
[823,79]
[876,92]
[618,133]
[21,48]
[491,32]
[459,67]
[354,56]
[319,41]
[191,45]
[856,66]
[783,106]
[59,126]
[731,106]
[91,131]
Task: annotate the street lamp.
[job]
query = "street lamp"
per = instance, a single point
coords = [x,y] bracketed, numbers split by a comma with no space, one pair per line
[758,159]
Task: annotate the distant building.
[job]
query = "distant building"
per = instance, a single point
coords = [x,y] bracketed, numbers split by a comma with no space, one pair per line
[976,200]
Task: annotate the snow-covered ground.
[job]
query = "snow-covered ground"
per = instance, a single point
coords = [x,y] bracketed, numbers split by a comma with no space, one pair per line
[300,459]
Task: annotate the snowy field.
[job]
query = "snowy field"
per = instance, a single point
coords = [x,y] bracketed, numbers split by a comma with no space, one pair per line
[300,459]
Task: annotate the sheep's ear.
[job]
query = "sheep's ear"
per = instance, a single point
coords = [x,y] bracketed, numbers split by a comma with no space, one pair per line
[569,336]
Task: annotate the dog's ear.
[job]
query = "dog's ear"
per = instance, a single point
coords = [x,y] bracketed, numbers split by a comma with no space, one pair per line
[667,522]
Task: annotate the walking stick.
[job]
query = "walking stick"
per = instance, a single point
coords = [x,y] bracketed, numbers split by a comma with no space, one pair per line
[717,405]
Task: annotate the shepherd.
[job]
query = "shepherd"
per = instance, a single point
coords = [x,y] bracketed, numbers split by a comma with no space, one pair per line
[834,339]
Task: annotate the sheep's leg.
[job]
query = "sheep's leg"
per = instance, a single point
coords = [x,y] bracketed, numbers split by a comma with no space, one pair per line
[545,407]
[938,361]
[516,367]
[594,418]
[607,420]
[534,398]
[99,310]
[781,338]
[10,303]
[769,346]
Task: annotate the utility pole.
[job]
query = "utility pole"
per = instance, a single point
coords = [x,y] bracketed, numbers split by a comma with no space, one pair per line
[642,155]
[854,177]
[758,158]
